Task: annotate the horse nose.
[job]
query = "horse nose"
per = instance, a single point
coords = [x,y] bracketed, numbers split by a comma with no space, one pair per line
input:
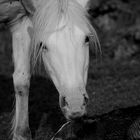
[76,115]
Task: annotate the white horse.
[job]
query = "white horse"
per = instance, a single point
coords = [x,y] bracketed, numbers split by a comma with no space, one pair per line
[58,34]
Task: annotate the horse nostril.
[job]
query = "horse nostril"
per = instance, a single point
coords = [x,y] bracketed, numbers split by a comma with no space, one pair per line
[85,100]
[63,101]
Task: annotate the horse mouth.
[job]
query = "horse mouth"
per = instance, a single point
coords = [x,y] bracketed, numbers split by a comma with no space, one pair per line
[73,116]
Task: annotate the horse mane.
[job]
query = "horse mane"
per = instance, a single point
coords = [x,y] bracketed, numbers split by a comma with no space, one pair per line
[46,20]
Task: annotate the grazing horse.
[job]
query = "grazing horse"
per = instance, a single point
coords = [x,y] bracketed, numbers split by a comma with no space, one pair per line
[57,33]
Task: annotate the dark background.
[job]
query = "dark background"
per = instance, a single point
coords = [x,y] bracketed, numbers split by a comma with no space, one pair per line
[113,83]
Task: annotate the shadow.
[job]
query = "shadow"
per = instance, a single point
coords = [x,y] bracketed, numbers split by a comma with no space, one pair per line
[43,98]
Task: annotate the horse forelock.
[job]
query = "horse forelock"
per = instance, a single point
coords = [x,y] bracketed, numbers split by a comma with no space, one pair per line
[49,15]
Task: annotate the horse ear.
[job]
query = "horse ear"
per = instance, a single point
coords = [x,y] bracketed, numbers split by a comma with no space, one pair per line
[84,3]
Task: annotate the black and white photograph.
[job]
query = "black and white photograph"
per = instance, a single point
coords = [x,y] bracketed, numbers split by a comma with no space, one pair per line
[69,69]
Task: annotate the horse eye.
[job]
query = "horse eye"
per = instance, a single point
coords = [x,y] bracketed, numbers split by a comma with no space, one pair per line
[45,47]
[87,39]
